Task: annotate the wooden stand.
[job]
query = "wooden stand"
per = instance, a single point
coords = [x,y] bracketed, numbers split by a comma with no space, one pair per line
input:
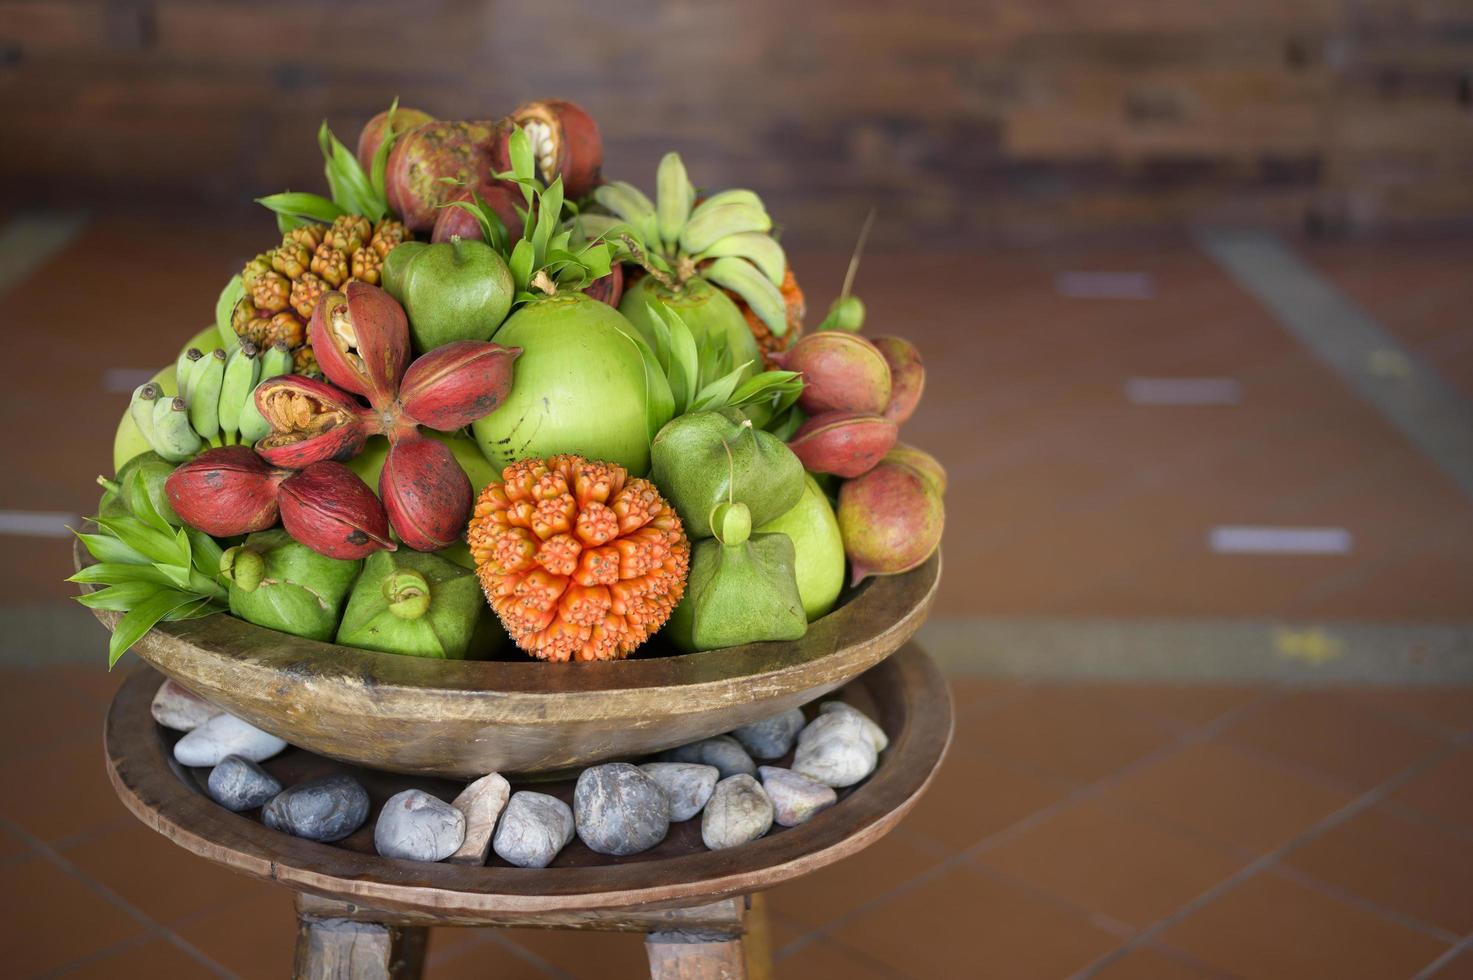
[364,916]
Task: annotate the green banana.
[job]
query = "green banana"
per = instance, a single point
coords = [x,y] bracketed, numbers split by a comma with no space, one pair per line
[673,196]
[761,250]
[629,203]
[710,226]
[140,408]
[242,370]
[742,278]
[204,395]
[184,371]
[172,436]
[734,196]
[275,362]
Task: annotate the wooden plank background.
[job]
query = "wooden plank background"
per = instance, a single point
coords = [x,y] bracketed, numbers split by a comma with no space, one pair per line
[962,120]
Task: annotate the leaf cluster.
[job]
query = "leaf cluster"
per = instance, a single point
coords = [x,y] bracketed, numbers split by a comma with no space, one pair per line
[352,190]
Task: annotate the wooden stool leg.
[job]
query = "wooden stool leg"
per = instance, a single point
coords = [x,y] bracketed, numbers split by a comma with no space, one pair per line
[698,955]
[344,949]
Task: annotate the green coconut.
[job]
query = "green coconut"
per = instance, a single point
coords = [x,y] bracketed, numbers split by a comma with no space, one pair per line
[414,604]
[580,386]
[705,309]
[284,585]
[814,531]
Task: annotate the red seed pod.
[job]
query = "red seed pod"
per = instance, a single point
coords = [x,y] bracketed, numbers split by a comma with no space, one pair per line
[843,443]
[361,339]
[225,491]
[457,383]
[565,142]
[329,508]
[426,494]
[455,222]
[842,372]
[907,377]
[609,289]
[311,421]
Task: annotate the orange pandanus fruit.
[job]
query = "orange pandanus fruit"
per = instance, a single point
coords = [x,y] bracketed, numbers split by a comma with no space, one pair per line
[768,342]
[580,561]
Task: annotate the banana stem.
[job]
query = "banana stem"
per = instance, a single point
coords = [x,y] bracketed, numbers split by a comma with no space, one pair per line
[643,261]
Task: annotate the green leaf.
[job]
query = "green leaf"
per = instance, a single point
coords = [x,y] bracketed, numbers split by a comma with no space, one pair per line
[142,618]
[718,392]
[178,575]
[141,504]
[521,264]
[764,385]
[195,610]
[549,214]
[519,150]
[107,548]
[300,208]
[205,553]
[109,573]
[685,359]
[157,545]
[120,597]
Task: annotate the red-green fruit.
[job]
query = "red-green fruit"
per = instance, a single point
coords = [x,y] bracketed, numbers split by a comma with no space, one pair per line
[456,222]
[425,492]
[128,441]
[369,464]
[819,549]
[921,461]
[842,372]
[373,133]
[565,143]
[843,443]
[891,520]
[907,376]
[429,164]
[578,387]
[706,310]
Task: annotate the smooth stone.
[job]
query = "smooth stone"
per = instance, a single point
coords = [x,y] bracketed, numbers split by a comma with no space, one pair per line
[738,812]
[239,784]
[876,733]
[687,785]
[481,802]
[415,826]
[771,738]
[620,809]
[534,828]
[176,706]
[683,753]
[225,735]
[836,750]
[325,809]
[795,797]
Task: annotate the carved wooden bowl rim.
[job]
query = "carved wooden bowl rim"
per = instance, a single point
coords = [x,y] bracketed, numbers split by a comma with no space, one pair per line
[912,703]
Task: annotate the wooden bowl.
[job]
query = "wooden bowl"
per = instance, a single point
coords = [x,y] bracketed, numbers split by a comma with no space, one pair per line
[466,718]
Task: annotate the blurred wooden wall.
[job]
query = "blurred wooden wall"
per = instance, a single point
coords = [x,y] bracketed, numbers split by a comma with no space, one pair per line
[960,120]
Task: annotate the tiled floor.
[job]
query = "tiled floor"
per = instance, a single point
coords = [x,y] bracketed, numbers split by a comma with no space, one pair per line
[1113,830]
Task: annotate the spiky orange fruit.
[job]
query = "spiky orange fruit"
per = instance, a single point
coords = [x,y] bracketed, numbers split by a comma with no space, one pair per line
[580,561]
[796,308]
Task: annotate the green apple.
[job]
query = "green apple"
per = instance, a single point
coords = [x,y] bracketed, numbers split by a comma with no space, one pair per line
[128,441]
[820,550]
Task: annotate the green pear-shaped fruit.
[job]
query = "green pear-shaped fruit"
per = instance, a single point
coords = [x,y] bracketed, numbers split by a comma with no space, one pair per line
[412,603]
[814,531]
[283,585]
[455,290]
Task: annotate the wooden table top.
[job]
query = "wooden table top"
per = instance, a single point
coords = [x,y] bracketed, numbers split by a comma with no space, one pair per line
[906,694]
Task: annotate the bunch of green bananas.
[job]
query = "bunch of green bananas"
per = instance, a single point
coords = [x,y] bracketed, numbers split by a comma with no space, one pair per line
[725,238]
[216,404]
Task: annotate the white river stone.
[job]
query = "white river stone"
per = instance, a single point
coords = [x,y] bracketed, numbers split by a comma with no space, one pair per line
[738,811]
[225,735]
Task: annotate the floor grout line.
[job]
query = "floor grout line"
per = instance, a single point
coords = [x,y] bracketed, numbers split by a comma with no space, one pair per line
[1432,969]
[152,927]
[1351,898]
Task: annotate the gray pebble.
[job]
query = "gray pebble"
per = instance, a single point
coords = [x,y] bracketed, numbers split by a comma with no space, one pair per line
[534,828]
[687,785]
[738,811]
[876,733]
[225,735]
[176,706]
[481,802]
[771,738]
[415,826]
[619,809]
[239,784]
[795,797]
[325,809]
[836,750]
[721,751]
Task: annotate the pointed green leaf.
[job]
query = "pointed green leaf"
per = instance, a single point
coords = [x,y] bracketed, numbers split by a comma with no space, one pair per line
[120,597]
[141,619]
[110,573]
[157,545]
[107,548]
[521,264]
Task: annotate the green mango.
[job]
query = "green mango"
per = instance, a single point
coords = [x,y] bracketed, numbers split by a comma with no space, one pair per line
[455,290]
[283,585]
[814,531]
[704,459]
[741,588]
[412,603]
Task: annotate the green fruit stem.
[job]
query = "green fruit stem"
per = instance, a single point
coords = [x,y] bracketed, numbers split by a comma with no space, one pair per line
[243,566]
[408,594]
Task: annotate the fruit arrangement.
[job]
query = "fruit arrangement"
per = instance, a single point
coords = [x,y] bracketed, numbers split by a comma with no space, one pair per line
[477,396]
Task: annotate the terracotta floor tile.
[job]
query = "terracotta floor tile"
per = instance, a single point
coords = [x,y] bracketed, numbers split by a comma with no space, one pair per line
[1271,927]
[1184,705]
[1228,796]
[37,708]
[1065,731]
[53,919]
[88,804]
[1146,963]
[818,898]
[1113,864]
[585,955]
[148,961]
[968,924]
[825,959]
[1444,791]
[159,877]
[1327,732]
[1446,708]
[253,938]
[968,692]
[485,957]
[1412,868]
